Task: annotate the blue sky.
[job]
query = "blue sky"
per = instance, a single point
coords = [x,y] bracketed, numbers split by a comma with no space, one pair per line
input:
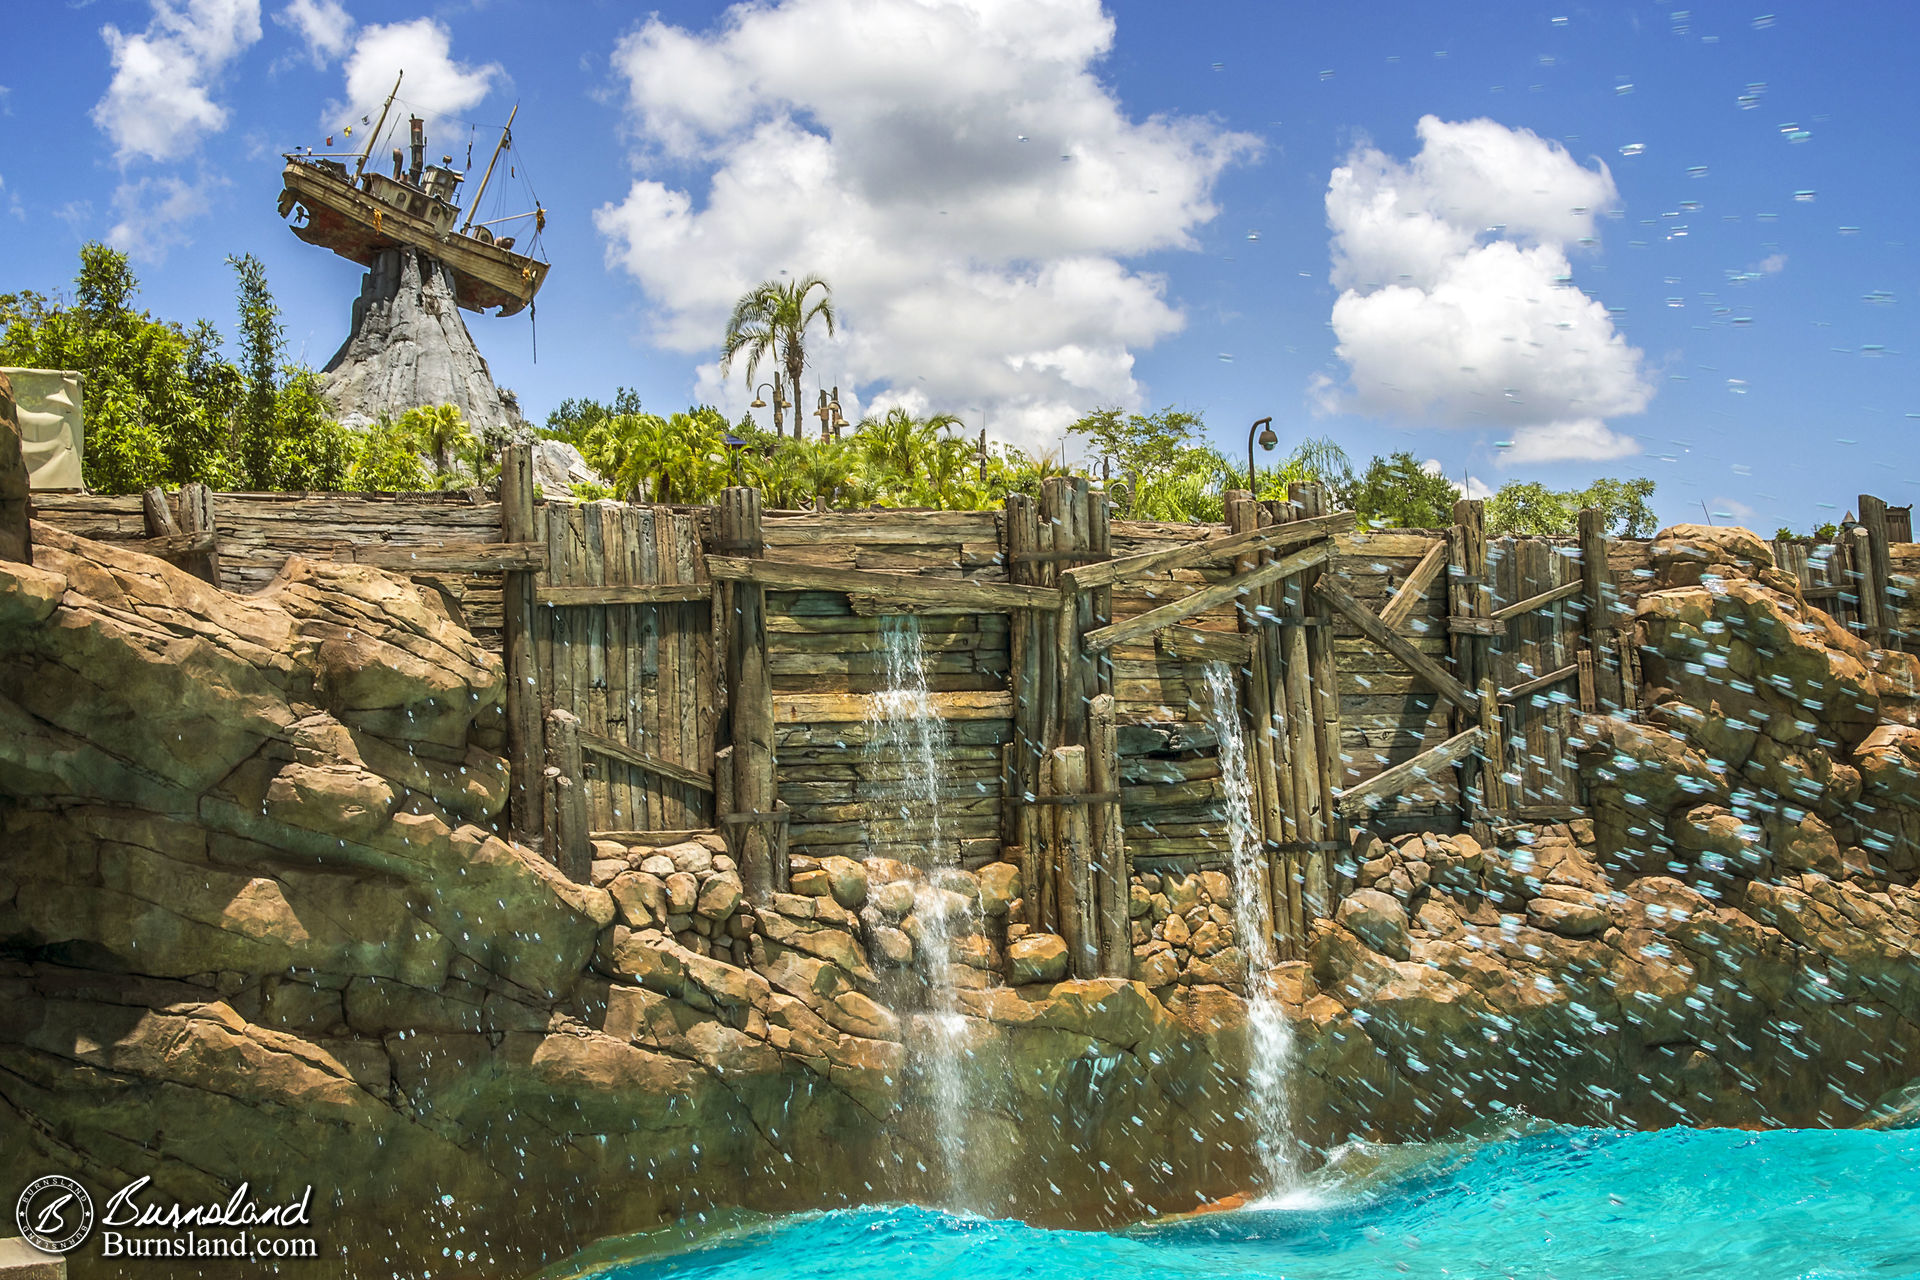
[1629,239]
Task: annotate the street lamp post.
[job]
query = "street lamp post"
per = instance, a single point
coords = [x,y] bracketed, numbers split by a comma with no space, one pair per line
[829,414]
[1267,441]
[779,402]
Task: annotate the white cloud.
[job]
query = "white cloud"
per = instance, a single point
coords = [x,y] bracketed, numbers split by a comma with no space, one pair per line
[435,84]
[151,215]
[160,103]
[1457,303]
[325,25]
[954,168]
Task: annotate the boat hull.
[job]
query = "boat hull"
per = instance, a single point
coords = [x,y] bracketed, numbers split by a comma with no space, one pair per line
[356,226]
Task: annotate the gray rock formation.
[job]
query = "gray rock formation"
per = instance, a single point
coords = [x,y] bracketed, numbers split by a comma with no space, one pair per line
[558,466]
[410,347]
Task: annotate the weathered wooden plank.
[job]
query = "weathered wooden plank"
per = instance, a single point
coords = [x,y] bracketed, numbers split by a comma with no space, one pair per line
[1273,538]
[496,557]
[1409,594]
[1195,645]
[647,593]
[853,708]
[1355,800]
[906,587]
[1370,624]
[1203,599]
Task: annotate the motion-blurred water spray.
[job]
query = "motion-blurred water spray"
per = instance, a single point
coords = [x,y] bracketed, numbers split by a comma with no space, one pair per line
[1269,1034]
[903,734]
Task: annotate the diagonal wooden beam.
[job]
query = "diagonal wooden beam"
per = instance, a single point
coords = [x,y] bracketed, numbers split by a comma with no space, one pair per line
[1414,589]
[600,745]
[1527,688]
[1399,646]
[1540,601]
[1272,538]
[1362,796]
[1206,598]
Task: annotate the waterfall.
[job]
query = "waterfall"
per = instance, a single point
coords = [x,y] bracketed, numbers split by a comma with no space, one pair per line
[1269,1034]
[903,737]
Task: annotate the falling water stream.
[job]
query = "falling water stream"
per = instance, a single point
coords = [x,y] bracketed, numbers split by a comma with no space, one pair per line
[903,734]
[1269,1034]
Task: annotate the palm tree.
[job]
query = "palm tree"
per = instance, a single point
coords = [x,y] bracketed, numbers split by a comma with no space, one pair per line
[770,322]
[440,432]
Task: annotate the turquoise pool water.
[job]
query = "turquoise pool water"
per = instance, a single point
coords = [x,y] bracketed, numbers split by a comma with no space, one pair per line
[1576,1203]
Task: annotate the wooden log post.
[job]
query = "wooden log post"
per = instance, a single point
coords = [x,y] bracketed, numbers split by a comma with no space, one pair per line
[526,746]
[1067,502]
[196,516]
[1030,657]
[1876,568]
[1324,681]
[1295,703]
[156,514]
[1469,596]
[569,847]
[1073,862]
[1112,874]
[1597,596]
[1271,789]
[749,829]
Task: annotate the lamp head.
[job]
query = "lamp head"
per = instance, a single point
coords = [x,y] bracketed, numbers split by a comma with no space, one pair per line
[1267,438]
[758,403]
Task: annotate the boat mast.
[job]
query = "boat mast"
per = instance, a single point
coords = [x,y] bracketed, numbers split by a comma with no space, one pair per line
[473,206]
[375,135]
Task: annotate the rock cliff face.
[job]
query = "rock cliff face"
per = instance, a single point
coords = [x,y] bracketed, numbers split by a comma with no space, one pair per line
[257,922]
[410,347]
[1732,938]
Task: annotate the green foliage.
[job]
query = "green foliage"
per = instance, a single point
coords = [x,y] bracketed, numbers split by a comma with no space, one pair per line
[388,461]
[157,397]
[1317,460]
[682,458]
[575,418]
[162,404]
[1398,492]
[1527,508]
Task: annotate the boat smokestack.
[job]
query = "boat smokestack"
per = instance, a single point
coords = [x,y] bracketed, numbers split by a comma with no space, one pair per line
[419,128]
[399,163]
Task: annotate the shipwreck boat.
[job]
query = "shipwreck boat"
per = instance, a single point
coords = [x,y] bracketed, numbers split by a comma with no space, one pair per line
[358,213]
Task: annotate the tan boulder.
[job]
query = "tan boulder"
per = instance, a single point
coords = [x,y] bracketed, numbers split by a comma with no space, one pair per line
[846,881]
[999,886]
[1038,957]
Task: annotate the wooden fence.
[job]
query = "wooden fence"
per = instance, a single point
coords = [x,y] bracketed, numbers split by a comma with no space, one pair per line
[682,669]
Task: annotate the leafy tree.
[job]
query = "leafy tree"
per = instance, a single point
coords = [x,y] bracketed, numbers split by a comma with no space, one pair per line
[1624,503]
[1527,508]
[770,323]
[1169,471]
[1399,492]
[573,419]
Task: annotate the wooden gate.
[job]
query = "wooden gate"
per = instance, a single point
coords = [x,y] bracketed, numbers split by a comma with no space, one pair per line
[624,641]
